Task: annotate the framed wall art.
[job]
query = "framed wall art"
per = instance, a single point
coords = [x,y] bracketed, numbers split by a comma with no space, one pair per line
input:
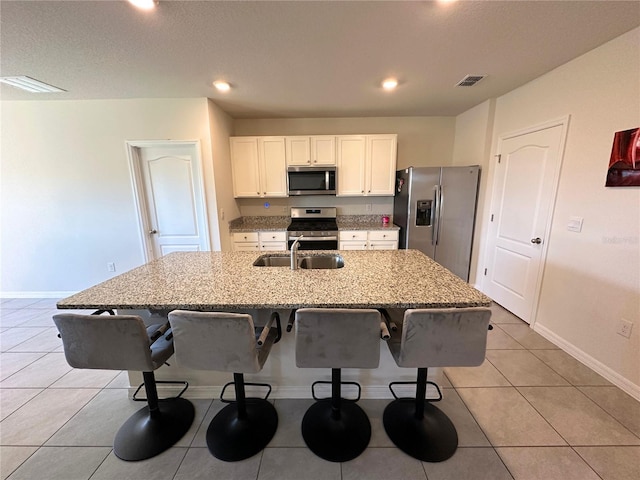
[624,164]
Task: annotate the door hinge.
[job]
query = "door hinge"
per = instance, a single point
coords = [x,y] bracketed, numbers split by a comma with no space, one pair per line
[499,157]
[485,272]
[491,217]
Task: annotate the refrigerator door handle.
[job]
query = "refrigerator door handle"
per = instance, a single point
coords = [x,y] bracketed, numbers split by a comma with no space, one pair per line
[435,215]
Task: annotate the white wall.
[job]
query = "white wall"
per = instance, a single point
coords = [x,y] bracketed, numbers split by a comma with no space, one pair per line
[472,146]
[221,128]
[67,199]
[591,279]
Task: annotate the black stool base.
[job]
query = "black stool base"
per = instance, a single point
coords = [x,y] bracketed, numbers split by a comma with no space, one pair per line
[432,438]
[142,436]
[230,438]
[336,440]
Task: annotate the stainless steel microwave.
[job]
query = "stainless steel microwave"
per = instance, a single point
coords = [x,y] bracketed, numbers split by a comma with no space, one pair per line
[311,180]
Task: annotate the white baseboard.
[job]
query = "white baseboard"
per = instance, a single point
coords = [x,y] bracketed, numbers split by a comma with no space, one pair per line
[595,365]
[47,294]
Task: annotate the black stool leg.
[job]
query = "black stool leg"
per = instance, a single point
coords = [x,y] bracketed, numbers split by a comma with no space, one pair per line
[336,429]
[418,428]
[243,428]
[155,427]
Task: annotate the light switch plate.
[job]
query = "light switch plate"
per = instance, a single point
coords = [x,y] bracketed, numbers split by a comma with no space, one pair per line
[575,224]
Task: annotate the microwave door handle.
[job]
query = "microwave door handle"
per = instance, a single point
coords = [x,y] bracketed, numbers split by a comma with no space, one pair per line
[326,180]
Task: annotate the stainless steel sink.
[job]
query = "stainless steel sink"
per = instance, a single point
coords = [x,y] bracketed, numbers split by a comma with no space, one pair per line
[329,261]
[322,261]
[272,261]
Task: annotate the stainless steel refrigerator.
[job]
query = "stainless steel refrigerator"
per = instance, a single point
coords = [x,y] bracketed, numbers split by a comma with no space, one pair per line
[435,208]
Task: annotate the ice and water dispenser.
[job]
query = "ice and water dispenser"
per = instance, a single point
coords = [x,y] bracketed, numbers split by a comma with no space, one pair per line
[423,213]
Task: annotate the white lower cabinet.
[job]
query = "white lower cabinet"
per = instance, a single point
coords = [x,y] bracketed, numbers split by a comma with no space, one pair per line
[258,241]
[368,240]
[273,241]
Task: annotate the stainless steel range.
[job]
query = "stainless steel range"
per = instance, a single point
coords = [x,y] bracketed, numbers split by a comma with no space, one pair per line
[317,226]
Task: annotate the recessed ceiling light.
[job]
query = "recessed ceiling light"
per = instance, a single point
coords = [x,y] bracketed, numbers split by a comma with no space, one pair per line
[144,4]
[30,84]
[390,84]
[222,86]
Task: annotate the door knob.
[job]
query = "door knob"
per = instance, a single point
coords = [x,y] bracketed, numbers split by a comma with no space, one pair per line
[536,240]
[153,231]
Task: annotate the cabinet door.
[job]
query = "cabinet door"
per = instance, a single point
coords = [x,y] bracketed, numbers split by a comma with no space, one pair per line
[381,164]
[246,247]
[273,169]
[244,166]
[323,150]
[353,245]
[350,161]
[298,151]
[383,245]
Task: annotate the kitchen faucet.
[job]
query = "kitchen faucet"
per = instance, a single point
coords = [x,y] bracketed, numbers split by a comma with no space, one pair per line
[294,253]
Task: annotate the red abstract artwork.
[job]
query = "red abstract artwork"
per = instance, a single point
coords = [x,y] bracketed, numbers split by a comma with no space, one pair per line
[624,165]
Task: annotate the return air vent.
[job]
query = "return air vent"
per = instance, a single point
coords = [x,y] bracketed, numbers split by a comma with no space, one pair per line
[470,80]
[30,84]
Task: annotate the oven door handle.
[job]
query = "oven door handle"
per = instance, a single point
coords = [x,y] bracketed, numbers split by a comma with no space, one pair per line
[314,239]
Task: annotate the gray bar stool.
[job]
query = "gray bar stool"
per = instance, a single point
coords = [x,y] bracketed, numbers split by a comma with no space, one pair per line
[229,342]
[122,342]
[337,429]
[432,338]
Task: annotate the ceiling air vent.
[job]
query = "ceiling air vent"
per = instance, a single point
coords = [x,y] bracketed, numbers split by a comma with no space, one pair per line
[470,80]
[30,84]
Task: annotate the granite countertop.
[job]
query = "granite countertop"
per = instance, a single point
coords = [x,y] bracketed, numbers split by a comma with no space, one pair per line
[229,281]
[271,223]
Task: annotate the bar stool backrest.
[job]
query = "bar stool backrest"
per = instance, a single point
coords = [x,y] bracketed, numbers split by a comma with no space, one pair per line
[219,341]
[118,342]
[442,337]
[337,338]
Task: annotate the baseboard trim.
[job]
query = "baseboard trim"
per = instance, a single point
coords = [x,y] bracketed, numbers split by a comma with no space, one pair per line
[595,365]
[47,294]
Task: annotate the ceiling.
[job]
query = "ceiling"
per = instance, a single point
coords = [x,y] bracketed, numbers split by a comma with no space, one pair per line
[301,58]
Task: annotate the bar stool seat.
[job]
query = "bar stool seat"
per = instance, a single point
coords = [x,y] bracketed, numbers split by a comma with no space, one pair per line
[122,342]
[432,338]
[337,429]
[229,342]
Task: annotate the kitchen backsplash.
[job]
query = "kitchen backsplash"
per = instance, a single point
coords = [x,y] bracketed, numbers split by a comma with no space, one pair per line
[367,206]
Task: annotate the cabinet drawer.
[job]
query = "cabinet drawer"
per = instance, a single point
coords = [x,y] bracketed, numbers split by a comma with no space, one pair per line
[245,237]
[273,236]
[387,235]
[349,235]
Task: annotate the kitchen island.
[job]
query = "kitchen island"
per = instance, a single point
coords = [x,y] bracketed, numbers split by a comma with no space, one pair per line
[228,281]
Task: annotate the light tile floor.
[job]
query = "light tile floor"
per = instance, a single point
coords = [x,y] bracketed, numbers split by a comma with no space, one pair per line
[530,411]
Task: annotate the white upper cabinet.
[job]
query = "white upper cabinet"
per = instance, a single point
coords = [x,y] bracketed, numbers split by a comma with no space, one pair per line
[258,166]
[366,164]
[311,150]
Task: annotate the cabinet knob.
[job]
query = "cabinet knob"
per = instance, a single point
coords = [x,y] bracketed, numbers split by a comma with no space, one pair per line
[258,193]
[362,191]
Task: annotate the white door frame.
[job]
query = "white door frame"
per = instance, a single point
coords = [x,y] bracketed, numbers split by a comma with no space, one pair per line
[564,123]
[142,212]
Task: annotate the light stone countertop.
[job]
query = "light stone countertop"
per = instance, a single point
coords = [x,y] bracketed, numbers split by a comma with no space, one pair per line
[229,281]
[280,223]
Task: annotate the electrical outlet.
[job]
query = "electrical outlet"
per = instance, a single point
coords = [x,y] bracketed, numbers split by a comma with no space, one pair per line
[368,207]
[222,214]
[624,328]
[111,267]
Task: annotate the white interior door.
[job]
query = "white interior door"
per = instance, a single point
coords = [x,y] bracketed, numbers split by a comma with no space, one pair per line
[524,189]
[171,197]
